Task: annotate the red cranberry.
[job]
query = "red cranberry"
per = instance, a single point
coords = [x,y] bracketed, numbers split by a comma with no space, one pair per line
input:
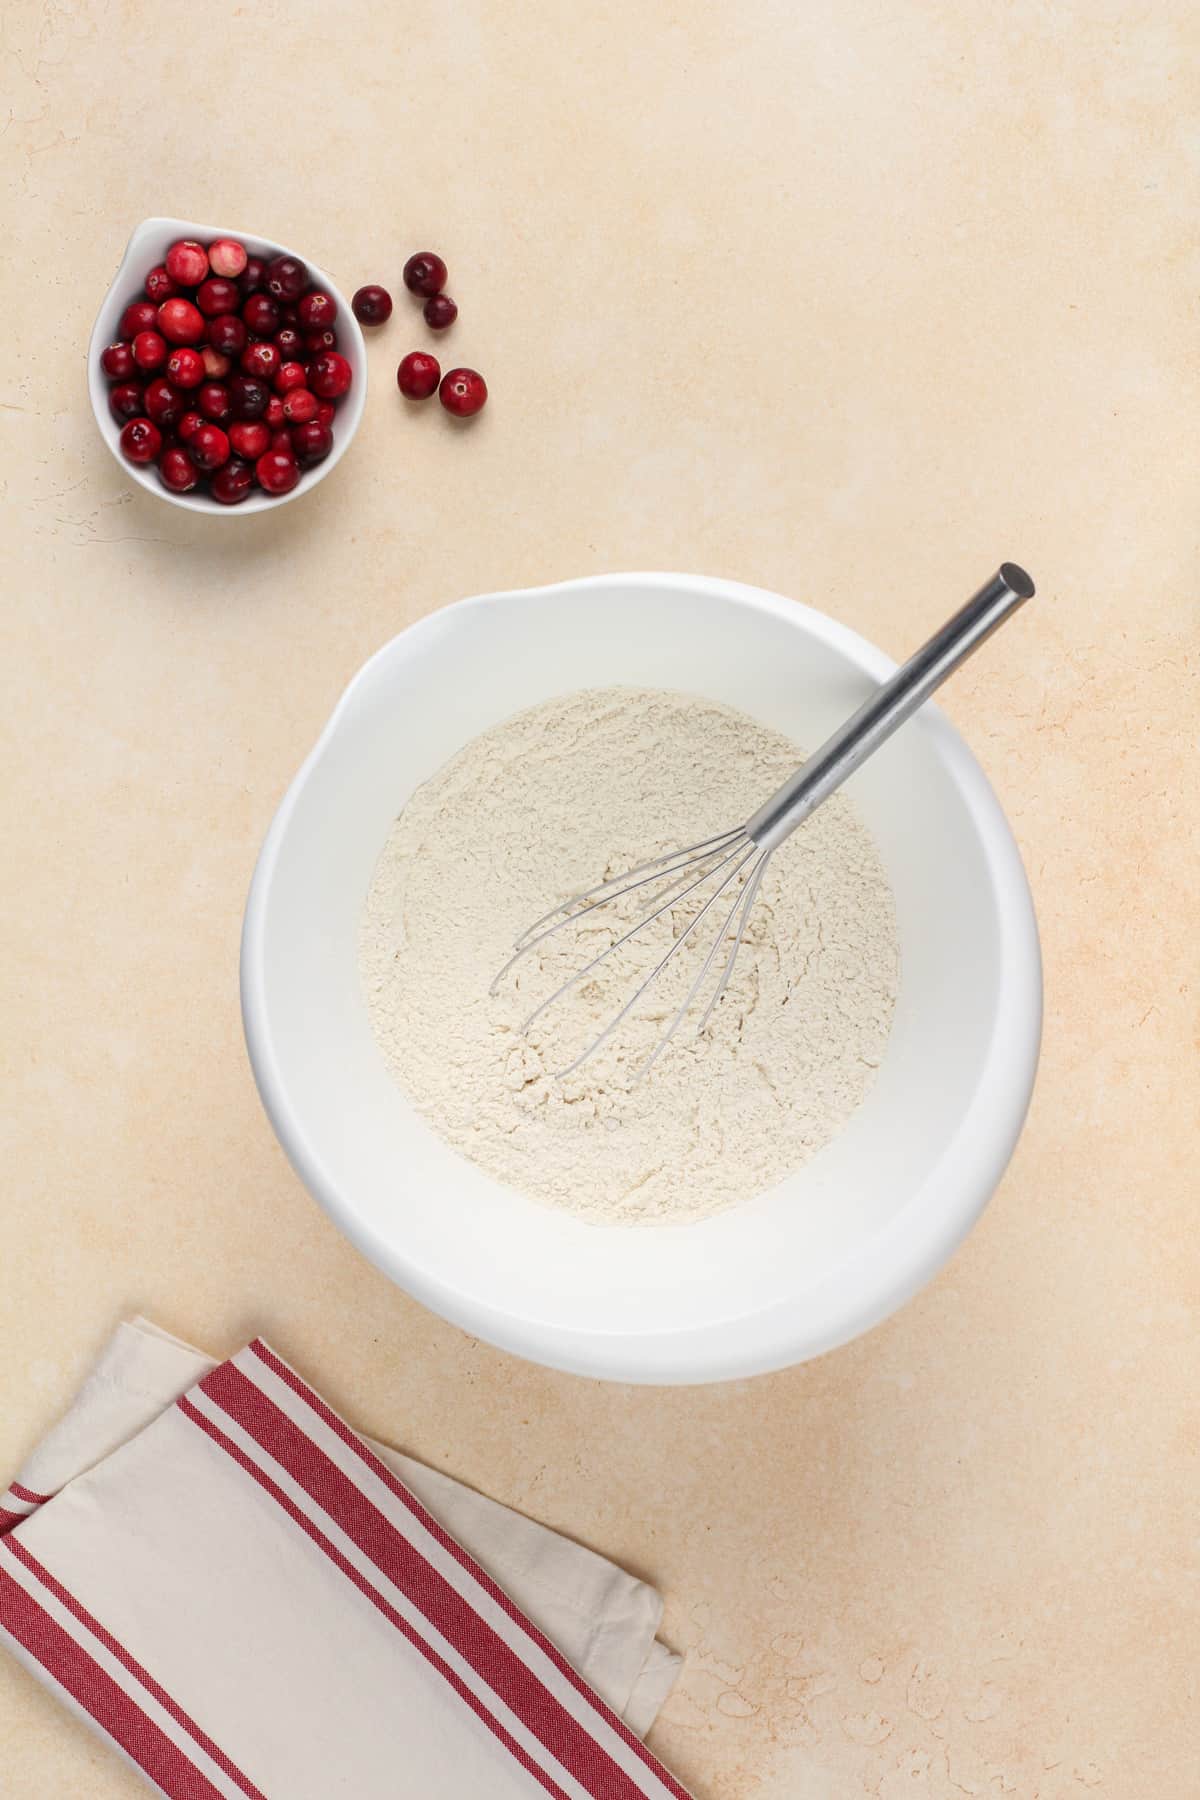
[125,401]
[274,413]
[185,367]
[249,438]
[418,375]
[317,311]
[159,286]
[187,263]
[330,375]
[149,350]
[277,471]
[189,425]
[141,440]
[117,362]
[209,446]
[248,396]
[262,359]
[325,412]
[290,316]
[253,276]
[463,392]
[281,441]
[439,312]
[216,366]
[316,343]
[227,257]
[232,483]
[164,404]
[311,442]
[227,335]
[300,406]
[142,315]
[372,305]
[216,295]
[289,343]
[178,472]
[290,375]
[214,402]
[260,315]
[181,322]
[425,273]
[287,278]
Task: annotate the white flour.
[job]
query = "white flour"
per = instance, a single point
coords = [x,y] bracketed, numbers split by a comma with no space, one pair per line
[545,804]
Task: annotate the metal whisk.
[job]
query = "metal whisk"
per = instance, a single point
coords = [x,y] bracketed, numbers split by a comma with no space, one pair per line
[737,859]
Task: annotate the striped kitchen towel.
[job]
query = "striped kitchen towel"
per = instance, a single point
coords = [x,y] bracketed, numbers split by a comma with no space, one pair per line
[249,1599]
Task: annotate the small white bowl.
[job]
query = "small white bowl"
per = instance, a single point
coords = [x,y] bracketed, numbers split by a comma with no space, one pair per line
[827,1252]
[149,244]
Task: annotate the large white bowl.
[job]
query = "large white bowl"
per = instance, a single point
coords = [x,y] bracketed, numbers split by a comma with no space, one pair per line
[829,1251]
[147,246]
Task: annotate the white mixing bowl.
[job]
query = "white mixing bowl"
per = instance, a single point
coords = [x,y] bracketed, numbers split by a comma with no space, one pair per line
[829,1251]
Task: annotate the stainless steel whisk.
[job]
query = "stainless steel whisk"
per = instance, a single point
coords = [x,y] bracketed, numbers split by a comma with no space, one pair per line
[737,859]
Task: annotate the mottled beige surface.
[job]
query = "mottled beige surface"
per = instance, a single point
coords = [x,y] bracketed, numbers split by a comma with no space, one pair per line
[845,300]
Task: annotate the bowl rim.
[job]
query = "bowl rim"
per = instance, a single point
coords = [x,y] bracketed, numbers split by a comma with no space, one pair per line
[98,384]
[870,1283]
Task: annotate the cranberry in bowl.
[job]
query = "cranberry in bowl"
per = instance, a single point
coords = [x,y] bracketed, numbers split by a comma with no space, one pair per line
[213,252]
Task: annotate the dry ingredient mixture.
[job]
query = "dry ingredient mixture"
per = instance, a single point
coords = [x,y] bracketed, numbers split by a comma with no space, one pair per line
[547,803]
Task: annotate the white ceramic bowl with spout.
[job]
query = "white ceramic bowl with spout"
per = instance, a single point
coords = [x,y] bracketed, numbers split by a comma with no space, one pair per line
[823,1255]
[146,248]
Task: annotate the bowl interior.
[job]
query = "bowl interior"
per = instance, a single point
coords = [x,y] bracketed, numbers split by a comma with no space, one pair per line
[148,245]
[803,1266]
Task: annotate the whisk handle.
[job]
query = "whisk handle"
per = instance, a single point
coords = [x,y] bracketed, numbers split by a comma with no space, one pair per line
[887,709]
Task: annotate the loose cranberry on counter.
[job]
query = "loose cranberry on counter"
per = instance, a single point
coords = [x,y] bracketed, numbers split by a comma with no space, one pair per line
[250,438]
[185,367]
[209,446]
[274,413]
[463,392]
[287,278]
[262,359]
[253,276]
[316,343]
[418,375]
[227,335]
[159,286]
[216,366]
[149,351]
[117,362]
[311,442]
[187,263]
[260,315]
[214,402]
[330,375]
[181,322]
[177,471]
[425,273]
[277,471]
[227,257]
[216,295]
[248,396]
[125,401]
[189,425]
[141,440]
[142,315]
[289,343]
[164,403]
[300,406]
[232,483]
[317,310]
[372,305]
[440,311]
[290,375]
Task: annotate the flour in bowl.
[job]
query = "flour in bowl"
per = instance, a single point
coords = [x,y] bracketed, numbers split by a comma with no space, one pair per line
[550,802]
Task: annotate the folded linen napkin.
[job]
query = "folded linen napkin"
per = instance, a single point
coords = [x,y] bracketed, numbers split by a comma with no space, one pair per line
[250,1600]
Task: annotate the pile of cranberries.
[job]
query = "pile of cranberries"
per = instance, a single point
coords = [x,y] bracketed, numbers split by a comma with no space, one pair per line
[462,392]
[227,373]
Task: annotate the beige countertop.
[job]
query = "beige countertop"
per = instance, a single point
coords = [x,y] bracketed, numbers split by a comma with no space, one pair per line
[849,301]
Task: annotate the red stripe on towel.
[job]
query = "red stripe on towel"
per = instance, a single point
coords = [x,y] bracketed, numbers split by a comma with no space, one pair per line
[28,1495]
[364,1587]
[115,1711]
[326,1414]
